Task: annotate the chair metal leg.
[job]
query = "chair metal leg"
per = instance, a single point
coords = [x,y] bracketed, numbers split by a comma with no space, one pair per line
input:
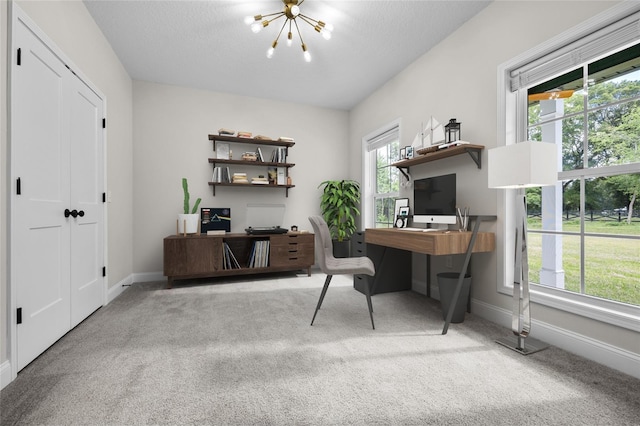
[367,292]
[324,292]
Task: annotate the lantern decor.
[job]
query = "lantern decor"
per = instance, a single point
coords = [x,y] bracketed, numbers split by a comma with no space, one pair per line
[452,131]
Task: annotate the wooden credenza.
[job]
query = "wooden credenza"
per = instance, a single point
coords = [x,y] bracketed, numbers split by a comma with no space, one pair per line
[202,256]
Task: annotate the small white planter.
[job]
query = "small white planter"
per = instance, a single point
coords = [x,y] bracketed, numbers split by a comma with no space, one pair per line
[191,221]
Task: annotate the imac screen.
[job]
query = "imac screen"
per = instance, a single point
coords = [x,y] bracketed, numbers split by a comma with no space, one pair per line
[434,200]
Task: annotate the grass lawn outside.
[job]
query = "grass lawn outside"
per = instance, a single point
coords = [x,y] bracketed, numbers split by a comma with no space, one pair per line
[612,264]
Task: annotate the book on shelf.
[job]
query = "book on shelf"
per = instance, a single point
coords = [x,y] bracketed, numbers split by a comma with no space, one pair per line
[260,180]
[226,132]
[262,137]
[244,134]
[259,256]
[281,178]
[259,154]
[230,261]
[216,232]
[285,139]
[221,175]
[279,155]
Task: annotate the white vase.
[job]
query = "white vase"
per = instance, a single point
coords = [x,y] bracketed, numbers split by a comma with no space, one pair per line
[191,223]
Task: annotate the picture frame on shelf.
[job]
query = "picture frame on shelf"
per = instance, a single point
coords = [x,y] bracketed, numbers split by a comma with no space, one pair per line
[403,153]
[222,151]
[400,204]
[409,152]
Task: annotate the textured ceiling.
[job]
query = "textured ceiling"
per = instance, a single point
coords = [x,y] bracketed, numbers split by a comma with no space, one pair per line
[206,45]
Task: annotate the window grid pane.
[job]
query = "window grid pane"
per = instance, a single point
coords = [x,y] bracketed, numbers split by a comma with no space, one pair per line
[606,134]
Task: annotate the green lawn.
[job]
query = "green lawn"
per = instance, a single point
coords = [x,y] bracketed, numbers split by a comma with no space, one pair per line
[612,264]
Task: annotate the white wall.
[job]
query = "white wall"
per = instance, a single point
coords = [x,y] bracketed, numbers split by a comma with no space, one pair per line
[171,128]
[69,25]
[458,79]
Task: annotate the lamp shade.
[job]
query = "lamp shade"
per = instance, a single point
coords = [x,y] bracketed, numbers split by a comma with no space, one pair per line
[522,165]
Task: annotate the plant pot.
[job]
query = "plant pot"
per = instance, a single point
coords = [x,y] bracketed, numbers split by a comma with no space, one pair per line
[341,248]
[191,221]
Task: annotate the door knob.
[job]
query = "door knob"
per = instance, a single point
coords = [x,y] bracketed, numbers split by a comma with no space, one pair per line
[81,213]
[74,213]
[67,213]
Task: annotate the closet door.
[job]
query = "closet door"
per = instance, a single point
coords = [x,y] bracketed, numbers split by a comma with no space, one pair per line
[86,189]
[40,167]
[57,222]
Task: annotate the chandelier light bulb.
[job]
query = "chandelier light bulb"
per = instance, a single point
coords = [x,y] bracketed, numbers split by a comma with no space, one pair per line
[289,39]
[328,27]
[256,27]
[248,20]
[272,49]
[326,34]
[295,10]
[307,55]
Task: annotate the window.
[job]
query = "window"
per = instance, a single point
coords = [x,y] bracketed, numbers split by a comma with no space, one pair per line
[382,181]
[584,232]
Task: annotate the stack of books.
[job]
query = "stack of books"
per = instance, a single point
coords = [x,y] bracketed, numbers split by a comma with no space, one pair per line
[260,180]
[244,134]
[250,156]
[285,139]
[239,178]
[226,132]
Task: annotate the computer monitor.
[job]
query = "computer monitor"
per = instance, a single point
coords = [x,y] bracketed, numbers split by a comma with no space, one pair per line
[434,200]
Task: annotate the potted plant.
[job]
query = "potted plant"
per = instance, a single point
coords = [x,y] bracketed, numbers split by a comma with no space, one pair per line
[339,205]
[188,220]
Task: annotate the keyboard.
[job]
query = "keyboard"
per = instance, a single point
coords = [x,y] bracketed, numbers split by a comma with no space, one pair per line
[420,229]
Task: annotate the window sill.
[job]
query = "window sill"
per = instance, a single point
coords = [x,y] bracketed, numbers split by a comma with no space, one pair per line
[609,312]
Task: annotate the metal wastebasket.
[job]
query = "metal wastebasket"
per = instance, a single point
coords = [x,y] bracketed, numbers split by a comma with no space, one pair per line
[447,282]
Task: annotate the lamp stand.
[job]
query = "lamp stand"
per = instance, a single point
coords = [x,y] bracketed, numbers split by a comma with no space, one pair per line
[521,319]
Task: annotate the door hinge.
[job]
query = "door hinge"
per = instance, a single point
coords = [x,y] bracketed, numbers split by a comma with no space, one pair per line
[104,197]
[18,187]
[104,123]
[104,271]
[19,56]
[19,316]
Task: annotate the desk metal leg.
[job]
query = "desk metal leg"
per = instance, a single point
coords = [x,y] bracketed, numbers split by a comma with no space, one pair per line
[428,279]
[467,259]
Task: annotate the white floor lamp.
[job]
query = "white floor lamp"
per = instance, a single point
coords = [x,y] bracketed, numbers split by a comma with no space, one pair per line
[519,166]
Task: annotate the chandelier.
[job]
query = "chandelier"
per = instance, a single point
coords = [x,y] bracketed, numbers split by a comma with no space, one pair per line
[292,13]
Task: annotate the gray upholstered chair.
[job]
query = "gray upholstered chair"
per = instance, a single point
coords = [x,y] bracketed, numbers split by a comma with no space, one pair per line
[337,266]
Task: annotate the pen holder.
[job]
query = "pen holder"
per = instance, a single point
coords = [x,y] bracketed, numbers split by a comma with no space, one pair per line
[462,219]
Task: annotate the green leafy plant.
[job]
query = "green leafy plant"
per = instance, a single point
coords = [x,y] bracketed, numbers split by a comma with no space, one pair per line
[185,189]
[339,205]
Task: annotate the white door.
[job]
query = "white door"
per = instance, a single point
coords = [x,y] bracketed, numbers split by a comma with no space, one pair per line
[56,258]
[86,198]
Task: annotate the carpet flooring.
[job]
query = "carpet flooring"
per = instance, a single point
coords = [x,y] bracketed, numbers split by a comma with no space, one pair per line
[242,352]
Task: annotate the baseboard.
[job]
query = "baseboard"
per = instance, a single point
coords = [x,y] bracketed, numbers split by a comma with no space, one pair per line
[594,350]
[5,374]
[145,277]
[117,289]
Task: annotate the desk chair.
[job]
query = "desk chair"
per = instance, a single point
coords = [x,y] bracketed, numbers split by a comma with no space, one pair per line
[337,266]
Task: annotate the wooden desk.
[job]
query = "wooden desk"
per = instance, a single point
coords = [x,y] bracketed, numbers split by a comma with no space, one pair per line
[438,243]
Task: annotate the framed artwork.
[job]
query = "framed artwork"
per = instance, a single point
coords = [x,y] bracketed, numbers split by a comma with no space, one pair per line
[402,153]
[409,152]
[400,204]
